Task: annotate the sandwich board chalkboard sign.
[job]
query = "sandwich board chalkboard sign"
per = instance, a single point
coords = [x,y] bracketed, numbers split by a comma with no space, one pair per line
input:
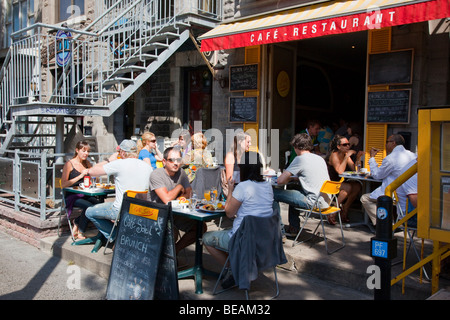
[144,236]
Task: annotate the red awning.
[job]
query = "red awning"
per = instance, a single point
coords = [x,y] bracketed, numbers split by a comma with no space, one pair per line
[334,17]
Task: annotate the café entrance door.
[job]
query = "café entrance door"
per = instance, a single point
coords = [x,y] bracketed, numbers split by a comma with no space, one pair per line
[282,97]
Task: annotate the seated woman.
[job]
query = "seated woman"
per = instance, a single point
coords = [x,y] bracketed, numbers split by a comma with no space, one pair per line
[252,196]
[72,175]
[148,150]
[242,143]
[184,142]
[198,157]
[339,160]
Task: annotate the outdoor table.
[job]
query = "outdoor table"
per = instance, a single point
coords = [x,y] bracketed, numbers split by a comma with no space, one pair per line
[98,239]
[197,270]
[367,181]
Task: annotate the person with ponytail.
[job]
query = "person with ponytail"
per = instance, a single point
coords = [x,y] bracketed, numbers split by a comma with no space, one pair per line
[148,150]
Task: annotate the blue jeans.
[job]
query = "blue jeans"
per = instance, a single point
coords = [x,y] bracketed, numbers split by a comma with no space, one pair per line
[293,197]
[84,203]
[101,216]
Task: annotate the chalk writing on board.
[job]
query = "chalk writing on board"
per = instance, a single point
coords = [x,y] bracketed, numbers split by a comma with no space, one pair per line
[139,245]
[243,109]
[244,77]
[389,106]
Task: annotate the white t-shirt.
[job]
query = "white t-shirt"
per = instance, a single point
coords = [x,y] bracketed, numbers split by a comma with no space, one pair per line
[129,174]
[256,198]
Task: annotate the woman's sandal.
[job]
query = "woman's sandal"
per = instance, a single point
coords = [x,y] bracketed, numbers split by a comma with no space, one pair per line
[331,220]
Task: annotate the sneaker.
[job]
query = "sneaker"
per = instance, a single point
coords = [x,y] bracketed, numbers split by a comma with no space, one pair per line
[228,280]
[290,231]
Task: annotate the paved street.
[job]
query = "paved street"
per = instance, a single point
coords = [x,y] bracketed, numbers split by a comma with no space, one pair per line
[30,274]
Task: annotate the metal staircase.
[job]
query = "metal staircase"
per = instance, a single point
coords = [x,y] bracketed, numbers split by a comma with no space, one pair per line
[53,71]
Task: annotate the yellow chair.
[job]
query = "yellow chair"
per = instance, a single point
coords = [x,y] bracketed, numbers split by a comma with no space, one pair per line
[331,188]
[132,194]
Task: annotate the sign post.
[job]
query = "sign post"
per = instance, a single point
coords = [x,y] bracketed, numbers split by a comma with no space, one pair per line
[384,247]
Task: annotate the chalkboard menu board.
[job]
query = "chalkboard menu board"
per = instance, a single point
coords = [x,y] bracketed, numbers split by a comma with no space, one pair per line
[244,77]
[389,106]
[143,243]
[243,109]
[394,67]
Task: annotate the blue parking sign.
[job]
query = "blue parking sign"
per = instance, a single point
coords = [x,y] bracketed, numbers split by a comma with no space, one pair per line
[379,249]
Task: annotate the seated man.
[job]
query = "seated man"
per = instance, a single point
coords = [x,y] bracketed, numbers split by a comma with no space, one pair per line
[311,171]
[129,173]
[391,167]
[407,192]
[169,183]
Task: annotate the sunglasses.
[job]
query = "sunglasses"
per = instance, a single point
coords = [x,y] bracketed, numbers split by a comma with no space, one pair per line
[153,140]
[175,160]
[345,144]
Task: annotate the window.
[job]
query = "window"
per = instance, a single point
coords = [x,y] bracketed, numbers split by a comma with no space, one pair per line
[70,9]
[19,14]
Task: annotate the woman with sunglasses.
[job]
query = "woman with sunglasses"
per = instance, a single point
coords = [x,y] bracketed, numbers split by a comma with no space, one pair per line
[148,150]
[339,160]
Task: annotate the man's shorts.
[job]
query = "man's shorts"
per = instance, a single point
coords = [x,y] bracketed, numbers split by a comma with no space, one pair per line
[219,239]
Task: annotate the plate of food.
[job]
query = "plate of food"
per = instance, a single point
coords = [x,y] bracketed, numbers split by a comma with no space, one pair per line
[219,207]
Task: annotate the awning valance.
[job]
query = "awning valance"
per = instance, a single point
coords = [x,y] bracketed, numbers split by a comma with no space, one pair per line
[327,18]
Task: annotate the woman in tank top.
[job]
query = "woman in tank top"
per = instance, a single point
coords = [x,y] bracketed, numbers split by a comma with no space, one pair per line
[339,160]
[242,143]
[73,174]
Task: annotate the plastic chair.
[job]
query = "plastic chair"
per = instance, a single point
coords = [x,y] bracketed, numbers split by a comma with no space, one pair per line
[332,189]
[131,194]
[250,232]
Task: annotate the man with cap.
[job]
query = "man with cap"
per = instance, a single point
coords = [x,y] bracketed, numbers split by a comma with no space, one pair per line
[129,173]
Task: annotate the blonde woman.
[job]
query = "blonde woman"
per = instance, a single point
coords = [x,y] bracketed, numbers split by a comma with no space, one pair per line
[148,150]
[199,155]
[72,175]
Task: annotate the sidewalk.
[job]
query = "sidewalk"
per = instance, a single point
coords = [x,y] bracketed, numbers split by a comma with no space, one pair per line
[346,267]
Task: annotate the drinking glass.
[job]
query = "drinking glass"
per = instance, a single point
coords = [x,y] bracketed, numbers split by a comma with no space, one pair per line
[213,194]
[93,184]
[213,197]
[207,195]
[193,202]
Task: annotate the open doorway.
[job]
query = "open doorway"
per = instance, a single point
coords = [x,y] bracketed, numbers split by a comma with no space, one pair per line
[198,97]
[331,79]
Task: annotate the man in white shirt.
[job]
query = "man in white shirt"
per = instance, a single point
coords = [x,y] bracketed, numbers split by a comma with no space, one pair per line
[391,167]
[129,173]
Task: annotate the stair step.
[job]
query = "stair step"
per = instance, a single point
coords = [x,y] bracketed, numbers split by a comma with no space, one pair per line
[141,57]
[111,92]
[117,80]
[128,69]
[165,36]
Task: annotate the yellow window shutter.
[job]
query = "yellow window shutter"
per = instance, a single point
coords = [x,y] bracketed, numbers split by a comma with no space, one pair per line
[380,40]
[376,135]
[252,56]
